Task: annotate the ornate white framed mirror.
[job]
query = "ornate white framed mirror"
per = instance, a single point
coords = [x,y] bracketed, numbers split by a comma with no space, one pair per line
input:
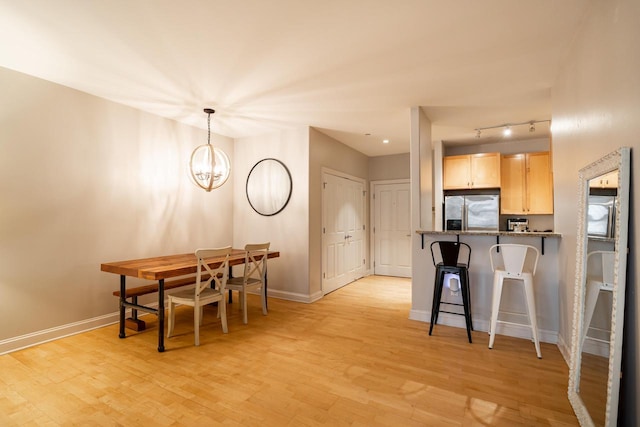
[598,310]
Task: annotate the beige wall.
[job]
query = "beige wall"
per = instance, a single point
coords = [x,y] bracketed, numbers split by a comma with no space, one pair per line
[421,170]
[389,167]
[85,181]
[503,147]
[326,152]
[596,108]
[288,230]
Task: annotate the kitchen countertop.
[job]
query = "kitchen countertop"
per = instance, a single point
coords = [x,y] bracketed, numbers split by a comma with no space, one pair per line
[491,233]
[497,234]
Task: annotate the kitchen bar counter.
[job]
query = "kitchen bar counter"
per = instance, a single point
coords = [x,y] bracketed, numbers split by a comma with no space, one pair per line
[497,234]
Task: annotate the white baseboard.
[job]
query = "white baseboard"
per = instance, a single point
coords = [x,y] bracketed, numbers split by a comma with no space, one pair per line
[516,331]
[29,340]
[565,350]
[40,337]
[292,296]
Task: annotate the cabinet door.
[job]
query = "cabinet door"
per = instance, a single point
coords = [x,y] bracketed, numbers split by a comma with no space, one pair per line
[485,170]
[539,184]
[455,170]
[512,191]
[609,180]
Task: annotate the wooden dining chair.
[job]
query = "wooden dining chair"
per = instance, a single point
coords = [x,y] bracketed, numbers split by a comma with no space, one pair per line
[204,293]
[254,276]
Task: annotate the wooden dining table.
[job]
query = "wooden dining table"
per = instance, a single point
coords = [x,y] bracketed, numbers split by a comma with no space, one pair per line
[158,269]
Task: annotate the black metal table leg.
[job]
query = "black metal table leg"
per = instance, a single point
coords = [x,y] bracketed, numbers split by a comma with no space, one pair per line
[123,288]
[161,315]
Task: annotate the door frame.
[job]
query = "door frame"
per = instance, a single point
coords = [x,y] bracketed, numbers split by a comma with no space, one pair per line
[365,221]
[372,217]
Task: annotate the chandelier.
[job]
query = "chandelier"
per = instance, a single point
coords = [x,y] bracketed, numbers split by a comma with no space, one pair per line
[209,166]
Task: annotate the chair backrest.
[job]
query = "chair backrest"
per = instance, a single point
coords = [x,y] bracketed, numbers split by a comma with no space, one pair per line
[450,254]
[255,260]
[218,275]
[607,259]
[515,259]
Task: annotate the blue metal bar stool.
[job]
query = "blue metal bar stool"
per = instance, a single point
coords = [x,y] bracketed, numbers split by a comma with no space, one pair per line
[449,259]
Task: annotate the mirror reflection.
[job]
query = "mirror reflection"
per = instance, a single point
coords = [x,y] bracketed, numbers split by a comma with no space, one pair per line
[598,299]
[269,187]
[596,349]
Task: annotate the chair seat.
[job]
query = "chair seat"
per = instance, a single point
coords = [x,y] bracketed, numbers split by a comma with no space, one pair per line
[186,296]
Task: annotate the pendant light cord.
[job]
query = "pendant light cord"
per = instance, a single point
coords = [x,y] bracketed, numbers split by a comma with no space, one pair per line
[209,128]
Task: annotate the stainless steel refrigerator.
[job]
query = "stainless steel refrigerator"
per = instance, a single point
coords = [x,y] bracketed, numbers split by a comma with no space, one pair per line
[601,216]
[472,213]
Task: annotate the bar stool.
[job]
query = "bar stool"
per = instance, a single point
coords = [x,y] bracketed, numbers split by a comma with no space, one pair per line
[449,259]
[603,281]
[517,262]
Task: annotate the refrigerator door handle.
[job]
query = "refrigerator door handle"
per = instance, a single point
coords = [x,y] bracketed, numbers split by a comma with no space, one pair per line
[464,216]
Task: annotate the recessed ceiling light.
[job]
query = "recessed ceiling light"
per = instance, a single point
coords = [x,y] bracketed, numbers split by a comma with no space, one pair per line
[385,141]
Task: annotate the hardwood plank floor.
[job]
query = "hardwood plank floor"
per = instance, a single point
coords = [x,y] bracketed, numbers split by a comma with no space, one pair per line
[351,359]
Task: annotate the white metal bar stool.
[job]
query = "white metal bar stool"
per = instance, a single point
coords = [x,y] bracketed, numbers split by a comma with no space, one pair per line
[514,262]
[603,281]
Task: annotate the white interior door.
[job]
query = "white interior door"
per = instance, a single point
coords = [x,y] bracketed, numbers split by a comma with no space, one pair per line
[343,232]
[392,229]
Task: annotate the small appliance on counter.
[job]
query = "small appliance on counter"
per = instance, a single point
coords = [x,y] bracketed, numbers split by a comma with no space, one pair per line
[517,224]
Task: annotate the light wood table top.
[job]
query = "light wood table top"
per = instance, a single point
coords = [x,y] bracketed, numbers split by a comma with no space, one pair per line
[167,266]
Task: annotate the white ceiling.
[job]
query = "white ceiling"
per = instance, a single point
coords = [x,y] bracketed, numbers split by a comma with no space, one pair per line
[348,68]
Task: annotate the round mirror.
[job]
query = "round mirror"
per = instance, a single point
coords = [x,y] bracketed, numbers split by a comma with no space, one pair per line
[269,187]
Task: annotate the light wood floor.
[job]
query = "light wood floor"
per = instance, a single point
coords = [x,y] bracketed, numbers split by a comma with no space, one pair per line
[351,359]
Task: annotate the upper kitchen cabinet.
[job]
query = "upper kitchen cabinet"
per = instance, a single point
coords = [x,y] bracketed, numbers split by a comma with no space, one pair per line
[609,180]
[527,184]
[471,171]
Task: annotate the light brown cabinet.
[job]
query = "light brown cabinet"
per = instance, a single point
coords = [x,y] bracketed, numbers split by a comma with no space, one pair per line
[527,184]
[609,180]
[471,171]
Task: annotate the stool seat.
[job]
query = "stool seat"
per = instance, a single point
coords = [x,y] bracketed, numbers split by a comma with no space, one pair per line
[516,263]
[449,259]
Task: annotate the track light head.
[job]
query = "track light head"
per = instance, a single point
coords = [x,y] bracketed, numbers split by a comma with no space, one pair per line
[507,131]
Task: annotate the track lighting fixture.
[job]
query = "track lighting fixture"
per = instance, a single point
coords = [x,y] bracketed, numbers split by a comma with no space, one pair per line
[507,127]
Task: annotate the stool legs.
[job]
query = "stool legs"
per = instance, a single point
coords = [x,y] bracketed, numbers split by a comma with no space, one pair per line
[495,306]
[498,282]
[590,300]
[466,303]
[437,296]
[531,305]
[438,288]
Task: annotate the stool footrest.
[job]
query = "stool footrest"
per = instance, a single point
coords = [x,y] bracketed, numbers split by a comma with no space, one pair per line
[451,312]
[504,322]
